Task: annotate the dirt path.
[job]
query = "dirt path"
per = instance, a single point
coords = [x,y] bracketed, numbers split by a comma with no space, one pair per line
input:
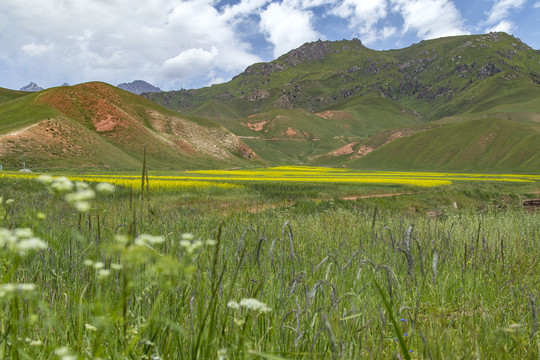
[373,196]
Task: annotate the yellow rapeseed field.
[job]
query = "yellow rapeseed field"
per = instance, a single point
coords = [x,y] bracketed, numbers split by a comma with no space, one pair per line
[228,179]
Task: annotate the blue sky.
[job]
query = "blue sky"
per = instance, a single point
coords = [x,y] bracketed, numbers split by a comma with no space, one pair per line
[177,44]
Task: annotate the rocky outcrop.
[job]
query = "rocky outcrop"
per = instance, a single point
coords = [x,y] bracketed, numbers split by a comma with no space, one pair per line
[139,87]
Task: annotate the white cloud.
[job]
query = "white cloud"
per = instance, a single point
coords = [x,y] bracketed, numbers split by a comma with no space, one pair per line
[122,40]
[430,18]
[36,50]
[500,10]
[505,26]
[388,31]
[362,16]
[537,5]
[287,27]
[243,8]
[190,61]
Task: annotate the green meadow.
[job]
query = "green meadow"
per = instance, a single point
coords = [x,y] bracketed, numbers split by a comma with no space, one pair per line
[269,270]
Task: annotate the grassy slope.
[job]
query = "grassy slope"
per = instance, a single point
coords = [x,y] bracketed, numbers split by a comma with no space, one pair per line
[484,144]
[292,135]
[23,111]
[8,95]
[67,133]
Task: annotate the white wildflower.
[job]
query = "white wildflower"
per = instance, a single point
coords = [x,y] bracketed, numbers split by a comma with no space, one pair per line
[9,288]
[117,266]
[197,244]
[222,354]
[233,305]
[254,304]
[103,273]
[26,287]
[6,237]
[80,185]
[90,327]
[23,233]
[187,236]
[81,195]
[148,239]
[105,188]
[9,201]
[64,353]
[122,239]
[99,265]
[45,179]
[211,242]
[88,262]
[82,206]
[30,244]
[62,184]
[185,243]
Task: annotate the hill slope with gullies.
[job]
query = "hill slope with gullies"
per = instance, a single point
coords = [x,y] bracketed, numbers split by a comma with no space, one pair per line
[99,125]
[333,103]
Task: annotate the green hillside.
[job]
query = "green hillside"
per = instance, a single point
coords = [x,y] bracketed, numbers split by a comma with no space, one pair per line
[434,78]
[477,145]
[343,101]
[99,125]
[8,95]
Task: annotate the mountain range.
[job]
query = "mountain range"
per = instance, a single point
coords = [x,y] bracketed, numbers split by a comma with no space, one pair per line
[463,103]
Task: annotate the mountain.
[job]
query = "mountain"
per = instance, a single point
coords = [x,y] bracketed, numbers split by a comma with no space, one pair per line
[32,87]
[139,87]
[98,125]
[335,102]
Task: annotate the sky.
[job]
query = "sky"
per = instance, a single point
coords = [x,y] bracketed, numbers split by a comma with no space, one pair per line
[177,44]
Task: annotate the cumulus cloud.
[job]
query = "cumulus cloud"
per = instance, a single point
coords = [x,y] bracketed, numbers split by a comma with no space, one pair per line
[505,26]
[501,9]
[190,61]
[36,50]
[121,40]
[287,27]
[430,18]
[362,16]
[499,13]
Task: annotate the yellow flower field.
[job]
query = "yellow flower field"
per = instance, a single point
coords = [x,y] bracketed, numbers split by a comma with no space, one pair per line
[228,179]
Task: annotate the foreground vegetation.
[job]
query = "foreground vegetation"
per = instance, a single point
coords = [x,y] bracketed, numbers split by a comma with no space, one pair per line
[163,274]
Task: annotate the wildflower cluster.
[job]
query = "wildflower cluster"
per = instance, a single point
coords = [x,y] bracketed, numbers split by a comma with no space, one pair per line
[187,242]
[13,289]
[250,304]
[77,194]
[101,271]
[21,241]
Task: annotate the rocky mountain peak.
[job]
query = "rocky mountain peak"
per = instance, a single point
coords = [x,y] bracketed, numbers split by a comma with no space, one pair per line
[139,87]
[32,87]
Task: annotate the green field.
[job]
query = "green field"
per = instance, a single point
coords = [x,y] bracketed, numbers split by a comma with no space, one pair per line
[263,269]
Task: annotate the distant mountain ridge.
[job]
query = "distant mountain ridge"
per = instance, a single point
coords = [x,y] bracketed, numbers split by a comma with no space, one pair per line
[139,87]
[32,87]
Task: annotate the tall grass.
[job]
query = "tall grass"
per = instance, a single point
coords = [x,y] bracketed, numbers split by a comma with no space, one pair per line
[309,281]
